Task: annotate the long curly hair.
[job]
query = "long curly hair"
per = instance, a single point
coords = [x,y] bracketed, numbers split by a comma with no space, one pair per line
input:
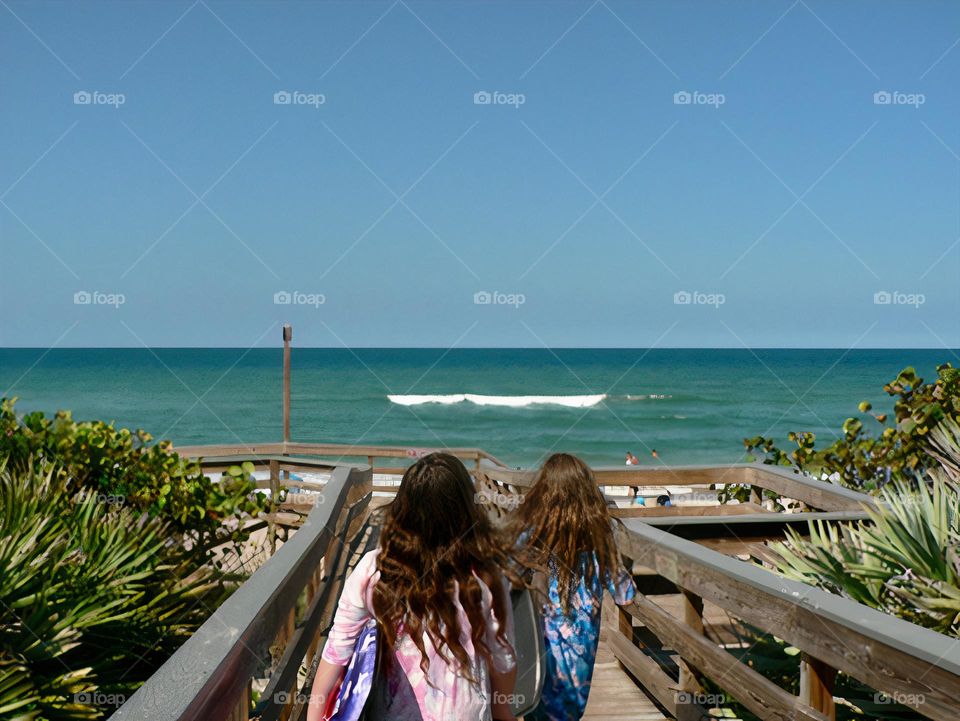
[434,535]
[564,516]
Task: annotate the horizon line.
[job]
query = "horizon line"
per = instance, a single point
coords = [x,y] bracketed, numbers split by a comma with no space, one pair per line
[453,348]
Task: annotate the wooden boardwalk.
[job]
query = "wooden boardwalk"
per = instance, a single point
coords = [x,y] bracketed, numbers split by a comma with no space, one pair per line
[614,696]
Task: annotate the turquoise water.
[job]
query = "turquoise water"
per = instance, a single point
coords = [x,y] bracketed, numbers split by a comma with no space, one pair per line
[691,405]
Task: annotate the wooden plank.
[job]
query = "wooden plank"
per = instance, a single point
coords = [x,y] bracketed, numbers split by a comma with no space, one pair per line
[615,697]
[818,494]
[653,678]
[735,509]
[816,685]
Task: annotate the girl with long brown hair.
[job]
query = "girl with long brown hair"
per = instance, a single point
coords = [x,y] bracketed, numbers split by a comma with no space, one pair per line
[563,534]
[440,602]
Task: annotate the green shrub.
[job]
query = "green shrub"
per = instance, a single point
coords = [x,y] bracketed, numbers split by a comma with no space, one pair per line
[123,465]
[866,460]
[905,560]
[93,597]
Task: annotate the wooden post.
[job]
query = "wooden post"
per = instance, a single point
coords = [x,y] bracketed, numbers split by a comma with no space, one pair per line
[274,504]
[287,337]
[692,616]
[816,685]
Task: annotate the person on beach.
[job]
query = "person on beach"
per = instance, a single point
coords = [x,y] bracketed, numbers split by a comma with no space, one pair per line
[443,615]
[632,460]
[571,556]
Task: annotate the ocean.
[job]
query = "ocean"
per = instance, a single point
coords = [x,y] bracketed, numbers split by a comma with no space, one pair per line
[690,405]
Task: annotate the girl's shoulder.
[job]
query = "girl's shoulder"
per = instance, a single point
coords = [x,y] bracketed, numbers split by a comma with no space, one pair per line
[359,584]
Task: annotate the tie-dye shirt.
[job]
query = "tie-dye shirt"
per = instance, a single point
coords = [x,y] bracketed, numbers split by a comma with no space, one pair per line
[571,640]
[407,694]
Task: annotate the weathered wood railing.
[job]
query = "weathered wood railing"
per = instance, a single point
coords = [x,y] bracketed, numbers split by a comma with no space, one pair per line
[259,626]
[907,664]
[261,453]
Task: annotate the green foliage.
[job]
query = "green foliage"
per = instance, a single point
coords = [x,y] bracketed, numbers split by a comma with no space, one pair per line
[896,449]
[123,465]
[904,561]
[93,597]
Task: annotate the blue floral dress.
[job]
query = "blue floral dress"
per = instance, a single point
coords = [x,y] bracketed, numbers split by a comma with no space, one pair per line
[571,640]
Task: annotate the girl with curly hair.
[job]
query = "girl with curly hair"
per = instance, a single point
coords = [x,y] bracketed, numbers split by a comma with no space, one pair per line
[440,602]
[563,534]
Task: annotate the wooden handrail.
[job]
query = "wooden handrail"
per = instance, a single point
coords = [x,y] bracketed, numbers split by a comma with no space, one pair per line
[814,493]
[889,654]
[340,450]
[208,676]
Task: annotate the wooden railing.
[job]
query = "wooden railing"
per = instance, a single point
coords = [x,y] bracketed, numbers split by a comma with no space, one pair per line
[259,627]
[337,453]
[677,562]
[907,664]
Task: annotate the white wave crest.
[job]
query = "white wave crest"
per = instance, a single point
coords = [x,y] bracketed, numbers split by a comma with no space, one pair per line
[507,401]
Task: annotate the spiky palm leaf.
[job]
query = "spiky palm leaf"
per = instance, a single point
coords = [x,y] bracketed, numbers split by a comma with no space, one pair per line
[76,576]
[905,559]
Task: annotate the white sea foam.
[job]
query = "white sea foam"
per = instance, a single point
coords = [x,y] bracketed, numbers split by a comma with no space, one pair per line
[508,401]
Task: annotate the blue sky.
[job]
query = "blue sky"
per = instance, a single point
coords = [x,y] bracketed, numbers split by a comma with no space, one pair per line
[790,206]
